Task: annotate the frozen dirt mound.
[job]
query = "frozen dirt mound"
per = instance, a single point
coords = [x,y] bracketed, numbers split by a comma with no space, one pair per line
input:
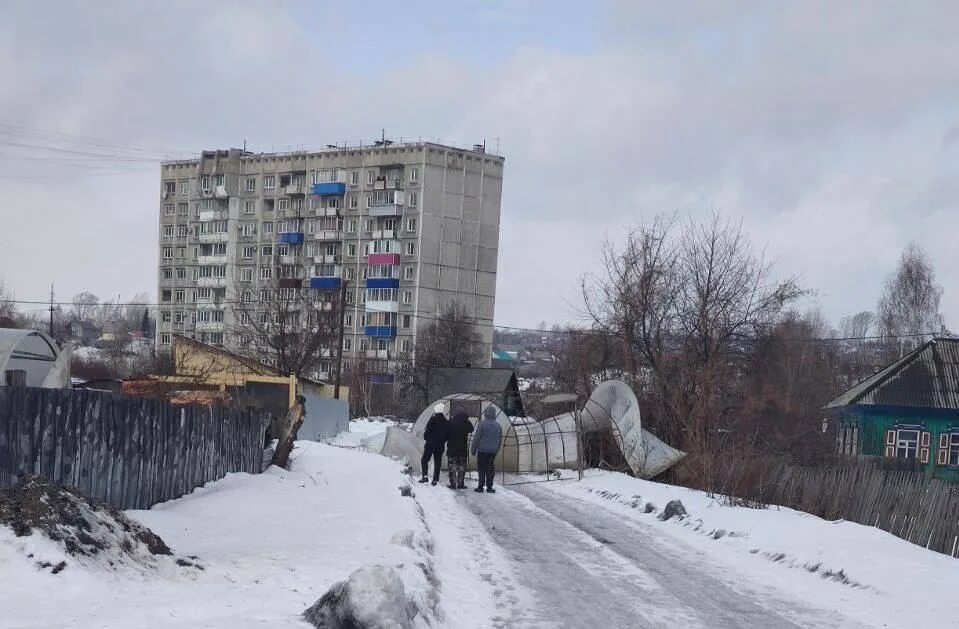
[85,528]
[373,597]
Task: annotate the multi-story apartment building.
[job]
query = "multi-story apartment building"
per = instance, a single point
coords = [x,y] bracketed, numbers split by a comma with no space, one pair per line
[410,228]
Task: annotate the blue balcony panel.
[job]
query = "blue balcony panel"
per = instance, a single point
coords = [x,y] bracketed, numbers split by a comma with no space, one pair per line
[387,331]
[325,283]
[329,189]
[382,282]
[382,378]
[291,238]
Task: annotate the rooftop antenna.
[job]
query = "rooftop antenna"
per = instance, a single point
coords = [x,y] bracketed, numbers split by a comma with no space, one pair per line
[244,145]
[51,309]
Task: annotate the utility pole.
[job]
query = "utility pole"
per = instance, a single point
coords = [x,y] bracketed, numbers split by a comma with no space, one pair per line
[339,345]
[51,309]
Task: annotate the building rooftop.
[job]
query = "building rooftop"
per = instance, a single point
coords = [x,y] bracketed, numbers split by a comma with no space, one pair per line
[927,377]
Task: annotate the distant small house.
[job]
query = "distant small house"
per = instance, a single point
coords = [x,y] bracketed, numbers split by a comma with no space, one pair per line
[503,359]
[909,410]
[29,358]
[498,385]
[82,332]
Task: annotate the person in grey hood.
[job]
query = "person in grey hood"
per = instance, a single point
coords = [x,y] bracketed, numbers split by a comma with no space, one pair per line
[485,445]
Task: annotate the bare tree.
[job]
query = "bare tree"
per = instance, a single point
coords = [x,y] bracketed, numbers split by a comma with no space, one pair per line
[857,326]
[9,317]
[909,305]
[85,306]
[450,341]
[583,359]
[289,327]
[686,300]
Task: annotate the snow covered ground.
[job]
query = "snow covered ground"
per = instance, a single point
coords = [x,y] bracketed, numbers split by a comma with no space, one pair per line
[551,555]
[868,576]
[366,433]
[271,545]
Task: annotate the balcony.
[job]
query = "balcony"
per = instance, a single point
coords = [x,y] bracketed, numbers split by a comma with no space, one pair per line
[377,353]
[211,259]
[328,211]
[213,215]
[326,258]
[209,326]
[289,282]
[217,237]
[294,189]
[382,282]
[384,258]
[325,283]
[328,234]
[329,189]
[389,209]
[287,259]
[381,234]
[220,192]
[211,282]
[380,331]
[290,238]
[382,306]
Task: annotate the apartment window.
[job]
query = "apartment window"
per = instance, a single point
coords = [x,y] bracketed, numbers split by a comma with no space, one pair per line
[182,209]
[347,344]
[333,203]
[181,274]
[244,318]
[296,203]
[410,248]
[164,317]
[407,321]
[269,182]
[264,317]
[205,183]
[249,207]
[407,297]
[351,226]
[283,204]
[204,293]
[246,275]
[169,187]
[178,296]
[165,338]
[351,273]
[353,202]
[250,184]
[354,177]
[370,176]
[168,253]
[414,174]
[184,185]
[266,251]
[182,230]
[406,345]
[364,272]
[351,249]
[247,296]
[249,253]
[218,180]
[364,344]
[408,273]
[411,224]
[168,209]
[168,273]
[283,250]
[268,205]
[348,320]
[412,199]
[168,231]
[369,200]
[267,228]
[248,229]
[266,273]
[179,317]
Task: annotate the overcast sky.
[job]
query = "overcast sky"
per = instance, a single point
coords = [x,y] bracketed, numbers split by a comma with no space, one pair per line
[831,129]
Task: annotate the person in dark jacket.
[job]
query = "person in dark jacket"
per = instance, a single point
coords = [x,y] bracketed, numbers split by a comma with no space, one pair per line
[434,438]
[486,442]
[460,428]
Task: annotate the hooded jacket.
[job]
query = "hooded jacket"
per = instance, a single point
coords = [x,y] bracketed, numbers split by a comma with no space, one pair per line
[437,431]
[460,428]
[488,434]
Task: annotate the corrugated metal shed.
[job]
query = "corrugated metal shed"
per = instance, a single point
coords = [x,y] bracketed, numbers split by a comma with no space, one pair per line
[927,377]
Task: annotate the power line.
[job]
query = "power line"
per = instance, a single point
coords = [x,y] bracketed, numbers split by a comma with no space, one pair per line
[567,331]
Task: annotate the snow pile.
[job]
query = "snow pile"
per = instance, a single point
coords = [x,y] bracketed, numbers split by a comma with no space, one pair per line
[374,597]
[366,433]
[863,570]
[80,527]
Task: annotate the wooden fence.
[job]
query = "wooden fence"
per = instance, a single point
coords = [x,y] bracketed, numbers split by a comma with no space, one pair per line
[130,452]
[906,503]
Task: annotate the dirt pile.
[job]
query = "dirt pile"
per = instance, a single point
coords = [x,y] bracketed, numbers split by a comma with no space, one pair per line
[85,528]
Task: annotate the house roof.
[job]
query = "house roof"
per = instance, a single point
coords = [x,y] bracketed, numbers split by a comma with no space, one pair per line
[254,365]
[449,380]
[927,377]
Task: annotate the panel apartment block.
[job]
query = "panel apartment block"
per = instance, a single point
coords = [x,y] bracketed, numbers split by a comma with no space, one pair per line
[411,229]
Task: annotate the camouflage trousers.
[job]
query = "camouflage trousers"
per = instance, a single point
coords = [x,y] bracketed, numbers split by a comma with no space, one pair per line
[457,470]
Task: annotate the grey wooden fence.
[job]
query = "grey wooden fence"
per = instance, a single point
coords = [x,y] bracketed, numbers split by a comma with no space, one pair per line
[906,503]
[130,452]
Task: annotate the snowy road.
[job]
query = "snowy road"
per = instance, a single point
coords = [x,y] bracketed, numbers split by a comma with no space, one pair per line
[587,565]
